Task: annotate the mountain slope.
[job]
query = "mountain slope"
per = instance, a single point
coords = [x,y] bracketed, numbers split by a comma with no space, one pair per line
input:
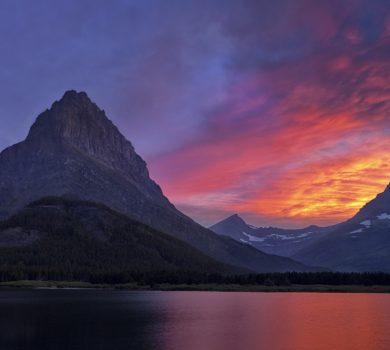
[271,240]
[73,150]
[360,244]
[78,237]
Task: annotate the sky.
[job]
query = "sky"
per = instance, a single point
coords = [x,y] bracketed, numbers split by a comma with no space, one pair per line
[275,110]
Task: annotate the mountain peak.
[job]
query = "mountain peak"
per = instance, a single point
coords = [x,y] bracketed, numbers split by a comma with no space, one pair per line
[235,217]
[74,116]
[75,120]
[79,99]
[231,220]
[74,93]
[78,124]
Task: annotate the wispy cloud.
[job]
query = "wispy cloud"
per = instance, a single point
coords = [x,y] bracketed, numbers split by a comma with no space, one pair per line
[302,136]
[277,110]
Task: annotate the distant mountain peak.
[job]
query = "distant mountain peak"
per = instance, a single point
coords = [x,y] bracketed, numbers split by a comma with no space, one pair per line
[235,218]
[311,227]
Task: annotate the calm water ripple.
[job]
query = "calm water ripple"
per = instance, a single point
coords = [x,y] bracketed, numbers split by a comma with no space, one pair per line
[116,320]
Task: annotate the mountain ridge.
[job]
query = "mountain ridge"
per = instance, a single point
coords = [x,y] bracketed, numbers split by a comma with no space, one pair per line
[271,240]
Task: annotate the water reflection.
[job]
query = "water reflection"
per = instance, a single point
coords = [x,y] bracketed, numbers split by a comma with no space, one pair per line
[68,319]
[294,321]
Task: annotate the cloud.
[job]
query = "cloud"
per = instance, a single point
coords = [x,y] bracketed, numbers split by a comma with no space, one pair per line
[276,110]
[301,137]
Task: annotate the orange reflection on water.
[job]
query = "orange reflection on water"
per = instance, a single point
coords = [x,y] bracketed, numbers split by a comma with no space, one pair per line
[340,321]
[275,321]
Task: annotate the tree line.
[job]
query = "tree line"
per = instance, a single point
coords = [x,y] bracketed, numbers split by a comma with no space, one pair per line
[179,276]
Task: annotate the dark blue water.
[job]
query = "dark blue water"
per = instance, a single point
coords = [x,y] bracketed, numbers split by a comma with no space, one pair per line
[92,319]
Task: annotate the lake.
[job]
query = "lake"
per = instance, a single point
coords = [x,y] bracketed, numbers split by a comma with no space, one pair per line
[100,320]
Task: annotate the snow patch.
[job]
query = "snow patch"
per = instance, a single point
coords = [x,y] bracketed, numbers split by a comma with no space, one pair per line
[245,242]
[366,223]
[253,227]
[303,234]
[359,230]
[383,216]
[282,237]
[253,238]
[303,240]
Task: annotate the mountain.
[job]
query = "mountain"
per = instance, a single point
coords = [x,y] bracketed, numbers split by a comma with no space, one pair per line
[270,240]
[360,244]
[73,150]
[55,236]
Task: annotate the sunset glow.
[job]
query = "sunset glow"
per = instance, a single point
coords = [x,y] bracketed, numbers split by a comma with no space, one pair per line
[276,110]
[301,140]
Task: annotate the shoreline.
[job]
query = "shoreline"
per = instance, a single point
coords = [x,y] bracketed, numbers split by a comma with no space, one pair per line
[316,288]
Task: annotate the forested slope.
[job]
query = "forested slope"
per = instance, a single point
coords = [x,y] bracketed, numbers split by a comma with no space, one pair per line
[81,240]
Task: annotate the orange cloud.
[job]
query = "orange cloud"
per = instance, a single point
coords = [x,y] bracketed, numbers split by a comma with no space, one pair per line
[316,171]
[327,191]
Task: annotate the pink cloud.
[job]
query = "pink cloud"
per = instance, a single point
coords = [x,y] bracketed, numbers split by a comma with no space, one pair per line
[299,142]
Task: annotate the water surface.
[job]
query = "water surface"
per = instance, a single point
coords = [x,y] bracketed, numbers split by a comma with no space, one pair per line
[88,319]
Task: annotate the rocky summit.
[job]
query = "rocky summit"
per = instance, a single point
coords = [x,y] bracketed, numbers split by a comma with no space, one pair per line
[73,150]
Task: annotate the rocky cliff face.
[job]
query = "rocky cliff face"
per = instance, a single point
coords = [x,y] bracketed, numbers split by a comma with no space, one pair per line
[78,122]
[74,150]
